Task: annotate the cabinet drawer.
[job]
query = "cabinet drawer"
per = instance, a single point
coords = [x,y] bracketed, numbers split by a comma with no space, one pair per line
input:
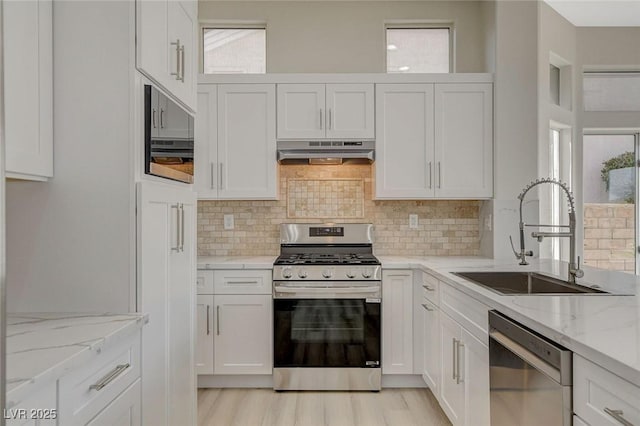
[242,281]
[204,282]
[596,390]
[468,312]
[430,287]
[86,391]
[124,410]
[39,409]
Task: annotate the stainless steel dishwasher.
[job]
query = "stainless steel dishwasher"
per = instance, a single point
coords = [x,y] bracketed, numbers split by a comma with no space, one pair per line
[530,376]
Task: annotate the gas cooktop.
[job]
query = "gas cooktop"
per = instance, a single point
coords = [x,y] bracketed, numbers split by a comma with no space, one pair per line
[327,259]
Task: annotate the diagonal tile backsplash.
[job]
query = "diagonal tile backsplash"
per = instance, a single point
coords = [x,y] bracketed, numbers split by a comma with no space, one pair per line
[315,193]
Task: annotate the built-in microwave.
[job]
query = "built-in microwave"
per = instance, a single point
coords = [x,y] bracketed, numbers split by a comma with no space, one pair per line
[168,137]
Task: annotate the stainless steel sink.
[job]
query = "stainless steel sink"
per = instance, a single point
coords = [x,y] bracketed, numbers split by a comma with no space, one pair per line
[525,283]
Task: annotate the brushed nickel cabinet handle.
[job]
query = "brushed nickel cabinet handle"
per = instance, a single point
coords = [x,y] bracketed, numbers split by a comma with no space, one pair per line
[162,118]
[177,45]
[329,118]
[213,176]
[439,175]
[460,345]
[181,63]
[430,180]
[208,311]
[221,182]
[177,246]
[109,377]
[321,118]
[618,415]
[218,320]
[182,227]
[453,357]
[154,112]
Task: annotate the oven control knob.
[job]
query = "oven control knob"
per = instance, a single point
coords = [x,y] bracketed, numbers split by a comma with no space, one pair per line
[327,273]
[287,273]
[351,274]
[302,273]
[366,273]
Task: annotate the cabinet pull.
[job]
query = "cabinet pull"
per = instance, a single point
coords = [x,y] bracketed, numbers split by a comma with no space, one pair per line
[213,175]
[428,288]
[177,246]
[439,175]
[459,345]
[182,227]
[109,377]
[221,182]
[218,320]
[181,64]
[208,310]
[430,183]
[618,415]
[329,118]
[453,357]
[153,118]
[162,118]
[177,45]
[321,118]
[424,305]
[243,282]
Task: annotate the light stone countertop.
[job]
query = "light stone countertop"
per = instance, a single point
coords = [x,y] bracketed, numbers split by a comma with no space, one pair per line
[236,262]
[602,328]
[42,347]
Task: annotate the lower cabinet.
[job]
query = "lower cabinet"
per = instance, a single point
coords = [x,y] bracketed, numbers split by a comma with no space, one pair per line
[124,410]
[235,323]
[431,346]
[464,394]
[397,322]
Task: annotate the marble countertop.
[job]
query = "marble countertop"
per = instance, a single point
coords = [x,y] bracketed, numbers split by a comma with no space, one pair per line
[42,347]
[602,328]
[236,262]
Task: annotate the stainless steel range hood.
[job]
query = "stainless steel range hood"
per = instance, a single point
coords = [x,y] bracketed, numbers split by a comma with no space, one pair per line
[325,152]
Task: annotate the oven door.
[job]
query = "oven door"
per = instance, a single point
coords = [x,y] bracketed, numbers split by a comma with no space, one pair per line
[326,332]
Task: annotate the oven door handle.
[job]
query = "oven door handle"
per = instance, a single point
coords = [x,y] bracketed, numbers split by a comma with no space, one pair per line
[328,290]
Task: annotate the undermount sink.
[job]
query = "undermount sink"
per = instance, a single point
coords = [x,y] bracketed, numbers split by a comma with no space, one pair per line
[525,283]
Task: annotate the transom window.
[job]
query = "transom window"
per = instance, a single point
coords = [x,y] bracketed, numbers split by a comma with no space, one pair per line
[234,50]
[419,49]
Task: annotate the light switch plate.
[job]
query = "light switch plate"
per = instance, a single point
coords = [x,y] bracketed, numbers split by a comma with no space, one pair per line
[229,222]
[413,221]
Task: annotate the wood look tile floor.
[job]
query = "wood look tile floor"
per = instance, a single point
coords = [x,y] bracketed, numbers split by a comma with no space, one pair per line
[265,407]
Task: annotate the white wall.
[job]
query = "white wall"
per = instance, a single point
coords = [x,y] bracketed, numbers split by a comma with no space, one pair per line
[349,37]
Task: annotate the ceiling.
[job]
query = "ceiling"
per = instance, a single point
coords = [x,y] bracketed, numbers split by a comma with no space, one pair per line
[599,13]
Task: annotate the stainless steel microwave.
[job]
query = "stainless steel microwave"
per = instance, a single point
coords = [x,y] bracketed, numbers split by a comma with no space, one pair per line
[168,138]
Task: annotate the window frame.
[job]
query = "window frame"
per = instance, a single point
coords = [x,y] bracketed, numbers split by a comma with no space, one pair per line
[422,25]
[230,25]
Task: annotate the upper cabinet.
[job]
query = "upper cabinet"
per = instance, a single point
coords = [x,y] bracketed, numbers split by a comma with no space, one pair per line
[434,141]
[166,46]
[235,142]
[28,85]
[326,111]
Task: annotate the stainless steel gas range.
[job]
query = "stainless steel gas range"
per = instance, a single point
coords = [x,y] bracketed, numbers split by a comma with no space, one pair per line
[327,293]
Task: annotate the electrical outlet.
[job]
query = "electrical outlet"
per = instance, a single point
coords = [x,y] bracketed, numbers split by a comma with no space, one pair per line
[413,221]
[229,222]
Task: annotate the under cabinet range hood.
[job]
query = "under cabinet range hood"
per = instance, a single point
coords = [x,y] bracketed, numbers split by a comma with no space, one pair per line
[325,152]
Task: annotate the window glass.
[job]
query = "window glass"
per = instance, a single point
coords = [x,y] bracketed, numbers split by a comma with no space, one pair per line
[554,84]
[611,91]
[418,50]
[234,50]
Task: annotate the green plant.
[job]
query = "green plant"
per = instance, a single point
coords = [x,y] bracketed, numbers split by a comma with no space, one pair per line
[626,159]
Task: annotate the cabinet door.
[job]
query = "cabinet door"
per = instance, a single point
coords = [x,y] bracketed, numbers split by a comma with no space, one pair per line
[397,322]
[431,346]
[243,334]
[475,373]
[122,411]
[404,165]
[43,399]
[452,388]
[28,85]
[166,246]
[301,111]
[247,166]
[464,140]
[350,111]
[151,39]
[181,52]
[206,143]
[204,335]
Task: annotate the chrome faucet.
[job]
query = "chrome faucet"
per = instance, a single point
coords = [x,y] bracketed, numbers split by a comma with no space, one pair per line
[574,265]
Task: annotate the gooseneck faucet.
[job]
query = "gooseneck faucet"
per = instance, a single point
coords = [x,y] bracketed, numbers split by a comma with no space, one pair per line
[574,265]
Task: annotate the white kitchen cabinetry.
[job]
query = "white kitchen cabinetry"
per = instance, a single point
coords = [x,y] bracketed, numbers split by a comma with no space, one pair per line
[235,142]
[124,410]
[601,397]
[43,399]
[166,45]
[235,337]
[431,349]
[168,120]
[331,111]
[397,322]
[464,393]
[28,89]
[434,141]
[166,223]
